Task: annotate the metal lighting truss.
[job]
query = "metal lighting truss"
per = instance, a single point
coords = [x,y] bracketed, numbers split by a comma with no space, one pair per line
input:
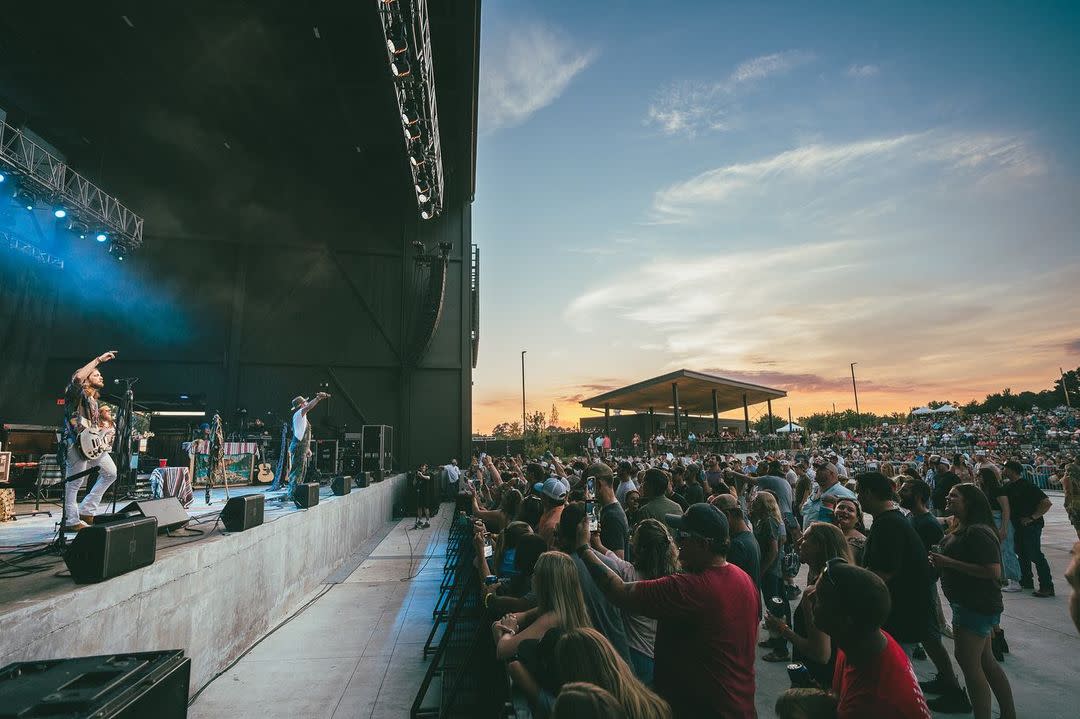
[40,171]
[408,49]
[20,245]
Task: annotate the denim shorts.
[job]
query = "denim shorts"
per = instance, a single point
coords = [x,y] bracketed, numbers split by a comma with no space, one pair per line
[974,622]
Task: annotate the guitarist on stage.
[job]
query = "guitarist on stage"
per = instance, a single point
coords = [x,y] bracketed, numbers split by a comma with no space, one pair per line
[81,413]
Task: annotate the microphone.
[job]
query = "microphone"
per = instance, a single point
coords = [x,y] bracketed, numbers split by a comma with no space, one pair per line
[128,380]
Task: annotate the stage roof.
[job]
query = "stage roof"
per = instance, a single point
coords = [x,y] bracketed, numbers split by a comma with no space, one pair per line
[695,394]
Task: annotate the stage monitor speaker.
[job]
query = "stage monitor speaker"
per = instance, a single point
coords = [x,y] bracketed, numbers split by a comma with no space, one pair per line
[306,495]
[362,479]
[104,551]
[341,485]
[115,686]
[243,512]
[170,514]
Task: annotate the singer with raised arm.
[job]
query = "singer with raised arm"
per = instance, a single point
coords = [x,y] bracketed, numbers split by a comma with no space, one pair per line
[85,443]
[300,445]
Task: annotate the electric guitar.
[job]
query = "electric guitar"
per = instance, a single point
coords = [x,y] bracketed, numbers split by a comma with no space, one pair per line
[94,441]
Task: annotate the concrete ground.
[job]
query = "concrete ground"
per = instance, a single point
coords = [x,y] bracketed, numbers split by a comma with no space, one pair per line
[1044,658]
[357,650]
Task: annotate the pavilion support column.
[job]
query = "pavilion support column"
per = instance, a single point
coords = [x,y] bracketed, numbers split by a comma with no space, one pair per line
[746,414]
[772,429]
[607,419]
[715,415]
[652,423]
[675,404]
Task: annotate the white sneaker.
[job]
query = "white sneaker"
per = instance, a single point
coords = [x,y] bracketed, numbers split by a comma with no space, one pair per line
[1012,586]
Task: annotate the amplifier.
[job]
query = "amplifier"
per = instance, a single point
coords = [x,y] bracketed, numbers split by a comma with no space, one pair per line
[377,450]
[114,686]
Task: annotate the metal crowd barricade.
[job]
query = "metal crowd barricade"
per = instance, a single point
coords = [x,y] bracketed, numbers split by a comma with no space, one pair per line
[464,678]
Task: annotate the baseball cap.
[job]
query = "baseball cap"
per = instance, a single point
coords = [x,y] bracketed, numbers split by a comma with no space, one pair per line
[701,519]
[552,489]
[725,501]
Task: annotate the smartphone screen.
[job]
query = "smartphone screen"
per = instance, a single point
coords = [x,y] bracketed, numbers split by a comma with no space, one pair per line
[590,509]
[488,551]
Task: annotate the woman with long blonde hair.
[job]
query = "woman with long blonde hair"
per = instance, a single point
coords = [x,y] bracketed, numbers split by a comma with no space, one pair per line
[585,655]
[559,603]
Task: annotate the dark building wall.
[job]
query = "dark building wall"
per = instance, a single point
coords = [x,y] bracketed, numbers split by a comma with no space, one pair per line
[252,326]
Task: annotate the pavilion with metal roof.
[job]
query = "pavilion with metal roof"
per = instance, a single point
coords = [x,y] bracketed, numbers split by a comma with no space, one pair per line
[690,393]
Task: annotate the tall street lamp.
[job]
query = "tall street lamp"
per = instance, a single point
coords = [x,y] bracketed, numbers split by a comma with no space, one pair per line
[523,393]
[855,389]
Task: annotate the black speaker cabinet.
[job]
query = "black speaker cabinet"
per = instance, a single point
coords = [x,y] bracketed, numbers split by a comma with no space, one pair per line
[306,495]
[377,450]
[341,485]
[362,479]
[243,512]
[104,551]
[116,686]
[170,514]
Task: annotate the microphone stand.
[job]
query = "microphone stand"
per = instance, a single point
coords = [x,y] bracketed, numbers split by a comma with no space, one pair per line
[123,435]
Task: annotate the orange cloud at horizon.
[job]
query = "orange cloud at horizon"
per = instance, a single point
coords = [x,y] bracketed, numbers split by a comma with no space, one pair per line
[807,394]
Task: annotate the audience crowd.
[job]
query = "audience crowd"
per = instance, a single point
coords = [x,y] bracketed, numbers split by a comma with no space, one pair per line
[642,586]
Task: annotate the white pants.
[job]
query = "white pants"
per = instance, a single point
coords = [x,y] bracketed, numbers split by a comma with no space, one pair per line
[77,463]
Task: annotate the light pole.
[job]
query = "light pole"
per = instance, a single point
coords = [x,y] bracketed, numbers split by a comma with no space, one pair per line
[523,393]
[855,389]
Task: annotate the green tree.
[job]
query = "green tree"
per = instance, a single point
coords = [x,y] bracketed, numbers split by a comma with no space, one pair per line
[507,430]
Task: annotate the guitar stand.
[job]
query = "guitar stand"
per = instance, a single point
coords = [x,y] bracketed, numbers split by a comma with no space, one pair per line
[58,545]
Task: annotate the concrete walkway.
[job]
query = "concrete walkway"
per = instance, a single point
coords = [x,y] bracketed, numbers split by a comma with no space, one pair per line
[357,651]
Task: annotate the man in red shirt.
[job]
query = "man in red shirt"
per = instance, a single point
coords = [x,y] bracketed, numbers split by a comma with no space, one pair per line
[707,618]
[873,677]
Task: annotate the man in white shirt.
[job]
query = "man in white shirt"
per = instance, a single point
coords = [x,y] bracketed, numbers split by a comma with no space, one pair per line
[625,481]
[296,462]
[453,474]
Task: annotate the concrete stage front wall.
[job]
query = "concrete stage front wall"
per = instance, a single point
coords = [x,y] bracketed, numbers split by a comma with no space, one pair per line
[213,599]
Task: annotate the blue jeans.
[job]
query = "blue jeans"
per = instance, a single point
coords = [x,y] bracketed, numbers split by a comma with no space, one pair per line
[643,666]
[1029,551]
[1010,565]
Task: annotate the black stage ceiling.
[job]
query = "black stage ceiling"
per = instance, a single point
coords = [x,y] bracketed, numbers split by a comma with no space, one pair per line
[269,120]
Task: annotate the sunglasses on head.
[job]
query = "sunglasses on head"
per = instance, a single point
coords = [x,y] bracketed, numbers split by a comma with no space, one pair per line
[827,576]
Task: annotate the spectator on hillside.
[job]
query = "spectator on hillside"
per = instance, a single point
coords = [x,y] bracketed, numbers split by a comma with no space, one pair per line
[586,655]
[655,504]
[1028,504]
[873,677]
[819,544]
[970,566]
[744,551]
[944,480]
[655,556]
[559,603]
[707,619]
[632,505]
[895,553]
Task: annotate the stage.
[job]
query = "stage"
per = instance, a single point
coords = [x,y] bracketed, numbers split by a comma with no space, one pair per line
[212,594]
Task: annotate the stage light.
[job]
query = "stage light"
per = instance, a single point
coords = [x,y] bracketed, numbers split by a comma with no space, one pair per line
[417,159]
[2,177]
[401,67]
[412,132]
[423,190]
[59,213]
[395,40]
[409,115]
[117,251]
[101,237]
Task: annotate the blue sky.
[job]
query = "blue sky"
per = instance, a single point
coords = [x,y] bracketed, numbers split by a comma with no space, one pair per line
[773,191]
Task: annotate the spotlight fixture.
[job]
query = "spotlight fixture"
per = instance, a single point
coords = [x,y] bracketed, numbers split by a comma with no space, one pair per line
[101,237]
[25,198]
[79,228]
[409,115]
[59,213]
[417,159]
[117,250]
[396,44]
[2,177]
[412,132]
[423,190]
[401,67]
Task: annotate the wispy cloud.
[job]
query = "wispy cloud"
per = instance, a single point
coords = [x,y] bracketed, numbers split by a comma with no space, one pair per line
[863,71]
[982,156]
[691,107]
[526,66]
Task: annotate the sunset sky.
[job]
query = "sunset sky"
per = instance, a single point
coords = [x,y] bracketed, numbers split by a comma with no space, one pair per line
[770,194]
